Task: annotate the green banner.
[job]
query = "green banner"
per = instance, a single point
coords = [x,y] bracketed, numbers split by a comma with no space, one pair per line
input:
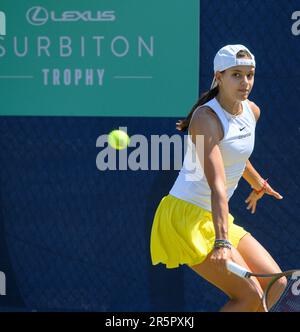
[99,57]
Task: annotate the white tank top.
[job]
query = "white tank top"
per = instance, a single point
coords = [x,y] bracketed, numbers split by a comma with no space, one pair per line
[236,147]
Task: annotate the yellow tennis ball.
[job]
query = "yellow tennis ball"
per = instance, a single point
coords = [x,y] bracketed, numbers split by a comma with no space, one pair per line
[118,139]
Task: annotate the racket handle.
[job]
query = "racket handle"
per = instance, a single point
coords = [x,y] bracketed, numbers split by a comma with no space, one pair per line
[237,269]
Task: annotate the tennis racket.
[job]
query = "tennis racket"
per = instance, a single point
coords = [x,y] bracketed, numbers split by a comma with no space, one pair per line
[275,299]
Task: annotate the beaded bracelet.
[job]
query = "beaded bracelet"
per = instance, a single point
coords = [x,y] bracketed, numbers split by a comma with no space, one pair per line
[262,188]
[220,243]
[222,246]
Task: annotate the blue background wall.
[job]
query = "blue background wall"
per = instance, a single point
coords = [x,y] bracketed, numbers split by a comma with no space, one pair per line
[75,238]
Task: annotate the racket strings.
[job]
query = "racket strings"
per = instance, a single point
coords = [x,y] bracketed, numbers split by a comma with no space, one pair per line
[287,302]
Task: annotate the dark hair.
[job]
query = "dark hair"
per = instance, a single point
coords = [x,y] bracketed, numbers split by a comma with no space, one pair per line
[182,125]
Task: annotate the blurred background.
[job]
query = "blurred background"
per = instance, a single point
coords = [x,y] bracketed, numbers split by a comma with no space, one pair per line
[74,237]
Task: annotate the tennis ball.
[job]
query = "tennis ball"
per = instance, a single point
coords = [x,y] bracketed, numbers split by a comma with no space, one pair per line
[118,139]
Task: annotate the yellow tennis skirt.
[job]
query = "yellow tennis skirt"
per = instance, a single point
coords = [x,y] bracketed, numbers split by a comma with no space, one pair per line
[183,233]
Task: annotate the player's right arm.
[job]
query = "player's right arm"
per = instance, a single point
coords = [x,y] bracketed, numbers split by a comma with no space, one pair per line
[205,122]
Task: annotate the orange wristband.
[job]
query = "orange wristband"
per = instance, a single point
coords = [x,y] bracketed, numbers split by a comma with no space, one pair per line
[262,188]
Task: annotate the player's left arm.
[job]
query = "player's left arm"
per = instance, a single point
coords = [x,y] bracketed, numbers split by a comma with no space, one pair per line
[255,180]
[250,174]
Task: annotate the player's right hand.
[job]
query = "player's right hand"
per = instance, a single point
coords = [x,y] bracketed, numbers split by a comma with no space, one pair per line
[219,256]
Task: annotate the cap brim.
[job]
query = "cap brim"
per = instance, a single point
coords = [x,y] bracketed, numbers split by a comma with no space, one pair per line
[213,83]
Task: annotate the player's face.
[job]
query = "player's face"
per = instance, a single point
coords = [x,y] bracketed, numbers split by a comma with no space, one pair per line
[237,82]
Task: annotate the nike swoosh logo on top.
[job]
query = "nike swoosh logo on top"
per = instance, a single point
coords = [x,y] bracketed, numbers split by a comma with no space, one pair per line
[242,128]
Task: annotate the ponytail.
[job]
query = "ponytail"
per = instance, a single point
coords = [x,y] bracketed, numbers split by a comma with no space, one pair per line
[182,125]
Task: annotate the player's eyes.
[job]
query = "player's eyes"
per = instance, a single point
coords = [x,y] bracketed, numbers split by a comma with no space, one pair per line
[238,75]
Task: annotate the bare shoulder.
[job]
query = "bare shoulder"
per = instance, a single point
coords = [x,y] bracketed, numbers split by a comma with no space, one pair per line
[206,122]
[255,109]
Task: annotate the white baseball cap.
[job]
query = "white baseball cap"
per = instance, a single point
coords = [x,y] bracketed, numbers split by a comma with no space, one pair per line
[226,58]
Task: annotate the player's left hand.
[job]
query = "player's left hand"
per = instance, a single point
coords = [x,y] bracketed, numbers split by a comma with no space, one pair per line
[254,197]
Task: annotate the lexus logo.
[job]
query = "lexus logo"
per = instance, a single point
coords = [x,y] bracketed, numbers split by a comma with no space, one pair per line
[39,16]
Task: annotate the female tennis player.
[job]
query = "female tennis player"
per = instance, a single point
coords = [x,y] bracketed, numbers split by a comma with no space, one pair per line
[192,224]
